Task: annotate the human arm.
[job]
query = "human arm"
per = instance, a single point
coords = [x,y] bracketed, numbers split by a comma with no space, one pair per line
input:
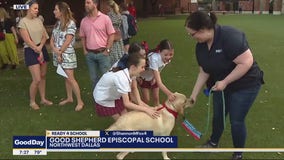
[52,43]
[161,85]
[109,43]
[128,104]
[68,40]
[200,81]
[59,51]
[83,37]
[13,29]
[83,42]
[27,32]
[243,63]
[135,95]
[42,42]
[26,37]
[110,31]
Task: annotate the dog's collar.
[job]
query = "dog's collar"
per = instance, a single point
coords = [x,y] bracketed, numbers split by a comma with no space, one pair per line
[174,113]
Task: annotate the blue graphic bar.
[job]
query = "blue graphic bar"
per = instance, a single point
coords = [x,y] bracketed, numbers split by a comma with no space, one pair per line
[74,142]
[29,142]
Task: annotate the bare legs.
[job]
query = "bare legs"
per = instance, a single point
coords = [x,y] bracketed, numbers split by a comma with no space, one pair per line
[69,98]
[155,94]
[72,85]
[38,73]
[42,84]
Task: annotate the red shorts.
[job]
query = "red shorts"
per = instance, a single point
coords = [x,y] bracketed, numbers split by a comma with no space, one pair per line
[109,111]
[147,84]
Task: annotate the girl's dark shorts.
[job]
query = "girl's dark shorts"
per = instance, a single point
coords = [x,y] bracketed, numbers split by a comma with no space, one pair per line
[31,57]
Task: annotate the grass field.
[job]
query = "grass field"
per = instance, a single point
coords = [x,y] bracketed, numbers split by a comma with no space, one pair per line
[265,34]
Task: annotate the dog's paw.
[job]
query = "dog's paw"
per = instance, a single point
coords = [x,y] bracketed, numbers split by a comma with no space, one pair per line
[167,158]
[121,155]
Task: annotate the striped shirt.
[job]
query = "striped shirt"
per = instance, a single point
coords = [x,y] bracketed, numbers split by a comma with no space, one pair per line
[60,36]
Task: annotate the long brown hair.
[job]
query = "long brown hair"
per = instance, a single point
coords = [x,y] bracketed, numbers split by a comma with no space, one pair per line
[67,14]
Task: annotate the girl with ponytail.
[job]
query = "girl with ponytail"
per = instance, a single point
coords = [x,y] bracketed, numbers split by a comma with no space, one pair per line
[150,80]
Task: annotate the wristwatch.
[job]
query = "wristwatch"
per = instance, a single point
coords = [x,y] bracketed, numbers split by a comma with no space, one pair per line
[108,50]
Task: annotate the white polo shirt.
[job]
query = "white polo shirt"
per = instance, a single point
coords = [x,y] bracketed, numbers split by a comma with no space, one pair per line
[111,86]
[155,63]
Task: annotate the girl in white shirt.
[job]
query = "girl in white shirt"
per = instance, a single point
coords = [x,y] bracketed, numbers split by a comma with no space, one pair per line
[150,79]
[111,93]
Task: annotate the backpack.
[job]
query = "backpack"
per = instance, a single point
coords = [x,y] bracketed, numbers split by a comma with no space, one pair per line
[132,26]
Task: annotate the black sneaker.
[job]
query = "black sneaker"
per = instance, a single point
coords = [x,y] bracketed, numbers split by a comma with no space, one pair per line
[237,157]
[208,144]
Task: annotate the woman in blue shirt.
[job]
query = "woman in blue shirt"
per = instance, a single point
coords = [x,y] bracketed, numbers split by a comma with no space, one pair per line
[225,64]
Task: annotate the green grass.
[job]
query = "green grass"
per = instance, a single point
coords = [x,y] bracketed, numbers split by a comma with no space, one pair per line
[265,35]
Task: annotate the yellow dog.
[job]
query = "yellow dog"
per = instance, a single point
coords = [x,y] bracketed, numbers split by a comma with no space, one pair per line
[162,126]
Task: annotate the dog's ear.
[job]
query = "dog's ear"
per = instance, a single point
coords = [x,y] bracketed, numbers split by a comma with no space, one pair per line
[180,102]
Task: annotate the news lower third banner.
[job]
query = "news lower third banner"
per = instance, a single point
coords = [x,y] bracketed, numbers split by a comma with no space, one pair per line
[88,141]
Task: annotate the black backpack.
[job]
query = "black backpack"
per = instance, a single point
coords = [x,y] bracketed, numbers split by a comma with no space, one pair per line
[132,26]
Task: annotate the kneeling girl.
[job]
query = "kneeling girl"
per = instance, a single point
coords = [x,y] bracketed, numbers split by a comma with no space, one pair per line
[111,93]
